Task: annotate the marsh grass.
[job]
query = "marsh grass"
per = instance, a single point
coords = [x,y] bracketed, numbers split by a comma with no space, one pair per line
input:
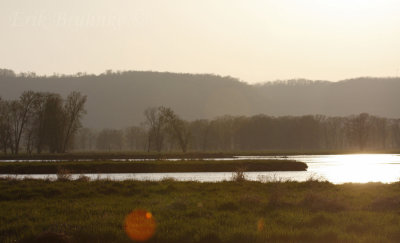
[317,202]
[386,203]
[94,211]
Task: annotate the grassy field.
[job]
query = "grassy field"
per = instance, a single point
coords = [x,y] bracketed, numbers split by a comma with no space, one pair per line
[94,211]
[150,166]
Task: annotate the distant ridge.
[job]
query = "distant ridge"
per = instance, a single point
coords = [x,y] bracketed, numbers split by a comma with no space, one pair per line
[117,100]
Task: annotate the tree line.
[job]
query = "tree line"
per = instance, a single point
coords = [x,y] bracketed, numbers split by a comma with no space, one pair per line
[40,121]
[46,122]
[163,130]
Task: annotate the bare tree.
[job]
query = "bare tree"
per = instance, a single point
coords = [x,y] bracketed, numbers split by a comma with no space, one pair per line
[54,122]
[199,130]
[38,124]
[381,126]
[395,130]
[359,129]
[40,120]
[177,128]
[7,73]
[20,112]
[74,108]
[5,126]
[156,128]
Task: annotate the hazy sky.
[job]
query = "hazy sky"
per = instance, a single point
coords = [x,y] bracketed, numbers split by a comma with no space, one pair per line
[254,40]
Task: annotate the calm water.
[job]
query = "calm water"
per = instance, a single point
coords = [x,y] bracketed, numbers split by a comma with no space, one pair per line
[334,168]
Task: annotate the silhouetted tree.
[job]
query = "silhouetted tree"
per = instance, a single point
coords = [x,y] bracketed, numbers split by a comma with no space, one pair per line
[177,128]
[54,122]
[40,120]
[74,108]
[359,129]
[199,130]
[20,112]
[395,131]
[7,73]
[156,128]
[5,126]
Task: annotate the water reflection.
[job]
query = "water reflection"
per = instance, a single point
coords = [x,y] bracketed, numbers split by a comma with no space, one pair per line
[358,168]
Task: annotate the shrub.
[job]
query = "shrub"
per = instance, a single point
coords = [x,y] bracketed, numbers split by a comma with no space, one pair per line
[64,175]
[239,175]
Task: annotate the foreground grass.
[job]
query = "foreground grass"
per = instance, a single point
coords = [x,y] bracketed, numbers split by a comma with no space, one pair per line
[94,211]
[150,166]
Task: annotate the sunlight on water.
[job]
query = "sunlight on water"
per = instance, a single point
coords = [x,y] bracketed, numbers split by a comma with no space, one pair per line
[357,168]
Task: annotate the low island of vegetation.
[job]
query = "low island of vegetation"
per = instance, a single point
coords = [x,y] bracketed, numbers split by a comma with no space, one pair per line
[150,166]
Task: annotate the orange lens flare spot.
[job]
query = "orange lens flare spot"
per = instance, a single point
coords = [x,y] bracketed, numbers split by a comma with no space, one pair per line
[260,225]
[140,225]
[148,215]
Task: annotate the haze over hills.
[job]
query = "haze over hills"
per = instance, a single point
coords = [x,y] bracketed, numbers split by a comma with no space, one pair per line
[117,100]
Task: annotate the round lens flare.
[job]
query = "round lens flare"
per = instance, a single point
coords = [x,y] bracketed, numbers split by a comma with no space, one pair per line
[140,225]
